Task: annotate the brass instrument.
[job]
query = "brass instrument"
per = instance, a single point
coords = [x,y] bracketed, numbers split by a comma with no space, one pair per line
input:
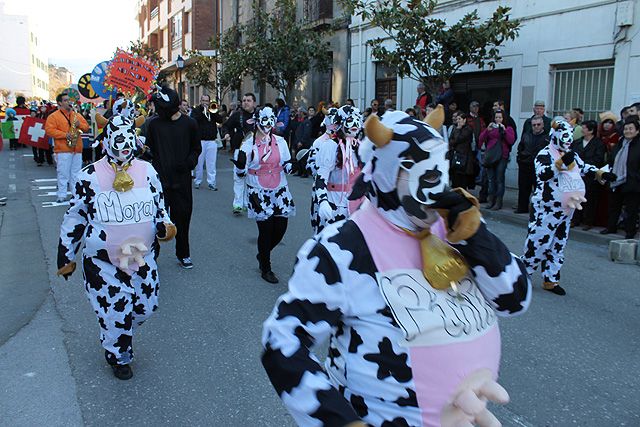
[213,108]
[74,132]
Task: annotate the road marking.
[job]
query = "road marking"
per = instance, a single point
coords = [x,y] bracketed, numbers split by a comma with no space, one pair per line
[27,155]
[45,180]
[45,187]
[12,159]
[51,193]
[54,204]
[12,166]
[12,188]
[12,175]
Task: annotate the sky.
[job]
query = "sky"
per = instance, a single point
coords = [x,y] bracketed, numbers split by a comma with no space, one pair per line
[78,34]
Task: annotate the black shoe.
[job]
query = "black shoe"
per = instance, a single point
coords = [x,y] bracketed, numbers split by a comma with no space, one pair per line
[185,263]
[122,372]
[607,231]
[557,289]
[269,276]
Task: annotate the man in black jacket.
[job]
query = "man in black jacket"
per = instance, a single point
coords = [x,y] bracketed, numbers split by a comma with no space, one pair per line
[240,123]
[538,110]
[174,144]
[208,120]
[529,147]
[591,150]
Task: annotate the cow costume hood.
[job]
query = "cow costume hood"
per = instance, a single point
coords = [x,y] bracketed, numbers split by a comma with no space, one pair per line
[167,102]
[561,135]
[265,119]
[333,119]
[401,143]
[352,124]
[120,140]
[123,107]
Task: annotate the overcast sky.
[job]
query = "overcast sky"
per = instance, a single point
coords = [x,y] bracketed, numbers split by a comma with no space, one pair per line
[78,34]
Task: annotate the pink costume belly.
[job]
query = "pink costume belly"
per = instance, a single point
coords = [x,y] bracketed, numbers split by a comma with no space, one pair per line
[134,224]
[270,170]
[437,369]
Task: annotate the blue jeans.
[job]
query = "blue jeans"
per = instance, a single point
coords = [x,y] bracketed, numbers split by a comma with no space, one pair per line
[496,178]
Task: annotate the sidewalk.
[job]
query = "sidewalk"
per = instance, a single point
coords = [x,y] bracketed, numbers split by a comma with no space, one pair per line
[506,215]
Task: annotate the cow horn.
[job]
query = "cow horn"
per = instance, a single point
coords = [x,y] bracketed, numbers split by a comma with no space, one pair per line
[139,121]
[435,119]
[378,133]
[101,120]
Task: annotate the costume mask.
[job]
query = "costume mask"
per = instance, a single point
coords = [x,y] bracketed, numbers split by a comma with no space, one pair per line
[167,102]
[120,139]
[123,107]
[332,120]
[561,135]
[353,120]
[402,142]
[265,118]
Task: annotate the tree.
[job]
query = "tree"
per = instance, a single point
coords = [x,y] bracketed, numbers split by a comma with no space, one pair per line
[281,49]
[426,48]
[199,69]
[143,50]
[232,58]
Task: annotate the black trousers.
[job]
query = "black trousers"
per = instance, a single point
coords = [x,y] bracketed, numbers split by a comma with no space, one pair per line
[179,203]
[587,215]
[526,184]
[631,202]
[270,233]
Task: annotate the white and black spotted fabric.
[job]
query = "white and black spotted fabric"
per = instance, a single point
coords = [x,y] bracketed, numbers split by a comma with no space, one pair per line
[549,222]
[122,298]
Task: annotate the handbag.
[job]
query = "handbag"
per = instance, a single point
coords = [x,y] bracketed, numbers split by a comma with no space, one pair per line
[493,155]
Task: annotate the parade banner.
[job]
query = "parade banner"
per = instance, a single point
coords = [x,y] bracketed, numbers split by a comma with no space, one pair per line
[85,88]
[98,75]
[127,72]
[73,93]
[33,133]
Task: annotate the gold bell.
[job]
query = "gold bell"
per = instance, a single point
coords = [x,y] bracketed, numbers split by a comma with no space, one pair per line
[442,265]
[123,181]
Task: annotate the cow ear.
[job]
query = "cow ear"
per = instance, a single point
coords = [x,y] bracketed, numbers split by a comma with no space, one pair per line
[251,121]
[139,121]
[435,119]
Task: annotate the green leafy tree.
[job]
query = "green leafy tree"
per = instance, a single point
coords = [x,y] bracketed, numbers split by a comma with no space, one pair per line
[200,69]
[279,49]
[426,48]
[233,60]
[143,50]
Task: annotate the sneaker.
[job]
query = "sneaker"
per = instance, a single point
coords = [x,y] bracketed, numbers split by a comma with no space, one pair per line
[185,263]
[269,276]
[553,287]
[237,211]
[197,186]
[3,199]
[213,187]
[122,372]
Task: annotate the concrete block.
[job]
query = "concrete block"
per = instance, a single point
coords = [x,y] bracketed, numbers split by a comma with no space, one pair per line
[623,251]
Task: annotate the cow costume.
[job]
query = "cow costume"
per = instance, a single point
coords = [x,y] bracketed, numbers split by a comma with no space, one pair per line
[559,191]
[335,166]
[118,208]
[265,159]
[411,319]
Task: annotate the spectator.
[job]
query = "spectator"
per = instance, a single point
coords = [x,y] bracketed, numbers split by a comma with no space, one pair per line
[304,138]
[624,113]
[317,119]
[509,122]
[185,109]
[528,148]
[625,190]
[366,113]
[538,110]
[375,107]
[411,112]
[350,102]
[475,122]
[388,105]
[504,136]
[592,151]
[574,118]
[423,99]
[418,111]
[446,95]
[450,114]
[461,155]
[607,131]
[283,115]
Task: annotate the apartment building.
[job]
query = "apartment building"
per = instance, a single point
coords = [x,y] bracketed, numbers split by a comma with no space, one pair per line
[24,66]
[174,27]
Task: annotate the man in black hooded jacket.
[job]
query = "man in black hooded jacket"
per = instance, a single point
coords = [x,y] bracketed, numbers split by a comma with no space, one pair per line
[174,143]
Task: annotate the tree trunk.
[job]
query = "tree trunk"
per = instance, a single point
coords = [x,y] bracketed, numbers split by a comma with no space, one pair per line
[288,92]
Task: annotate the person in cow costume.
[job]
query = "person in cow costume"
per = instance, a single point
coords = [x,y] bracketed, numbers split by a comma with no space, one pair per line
[118,208]
[559,191]
[407,291]
[265,160]
[336,165]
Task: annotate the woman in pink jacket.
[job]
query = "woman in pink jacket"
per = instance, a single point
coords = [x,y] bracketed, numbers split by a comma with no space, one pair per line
[495,161]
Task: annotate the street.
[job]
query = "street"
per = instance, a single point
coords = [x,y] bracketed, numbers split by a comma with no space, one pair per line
[568,361]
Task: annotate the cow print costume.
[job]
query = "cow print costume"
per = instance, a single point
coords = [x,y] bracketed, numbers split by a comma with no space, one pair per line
[398,347]
[120,229]
[551,213]
[336,166]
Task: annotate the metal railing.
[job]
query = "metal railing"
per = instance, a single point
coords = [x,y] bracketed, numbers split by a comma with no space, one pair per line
[154,12]
[589,88]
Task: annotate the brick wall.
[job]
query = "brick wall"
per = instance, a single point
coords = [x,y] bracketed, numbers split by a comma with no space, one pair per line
[204,16]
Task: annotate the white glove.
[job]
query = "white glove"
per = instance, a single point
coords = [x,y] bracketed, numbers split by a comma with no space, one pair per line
[324,211]
[132,252]
[469,404]
[574,202]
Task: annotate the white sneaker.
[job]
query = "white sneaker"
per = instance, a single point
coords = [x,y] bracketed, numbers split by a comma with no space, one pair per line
[197,186]
[213,187]
[185,263]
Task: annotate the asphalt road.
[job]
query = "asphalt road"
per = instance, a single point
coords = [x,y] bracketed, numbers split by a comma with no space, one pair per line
[567,361]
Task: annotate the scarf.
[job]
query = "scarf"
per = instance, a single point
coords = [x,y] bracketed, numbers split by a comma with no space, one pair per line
[620,164]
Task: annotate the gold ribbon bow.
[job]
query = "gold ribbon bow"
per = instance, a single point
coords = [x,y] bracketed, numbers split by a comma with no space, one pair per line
[123,181]
[442,265]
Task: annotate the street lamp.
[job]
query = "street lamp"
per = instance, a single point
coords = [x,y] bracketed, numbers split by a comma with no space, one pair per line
[180,66]
[180,62]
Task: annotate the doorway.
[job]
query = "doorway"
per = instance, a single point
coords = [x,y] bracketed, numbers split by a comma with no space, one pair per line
[484,87]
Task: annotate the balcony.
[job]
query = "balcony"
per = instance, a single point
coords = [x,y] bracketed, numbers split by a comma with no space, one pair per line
[318,12]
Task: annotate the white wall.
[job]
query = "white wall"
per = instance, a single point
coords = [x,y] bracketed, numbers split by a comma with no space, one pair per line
[15,56]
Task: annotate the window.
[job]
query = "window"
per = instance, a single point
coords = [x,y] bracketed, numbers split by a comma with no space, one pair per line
[187,24]
[586,86]
[386,83]
[176,31]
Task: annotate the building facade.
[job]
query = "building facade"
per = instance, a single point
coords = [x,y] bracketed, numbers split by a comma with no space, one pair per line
[23,64]
[173,27]
[575,53]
